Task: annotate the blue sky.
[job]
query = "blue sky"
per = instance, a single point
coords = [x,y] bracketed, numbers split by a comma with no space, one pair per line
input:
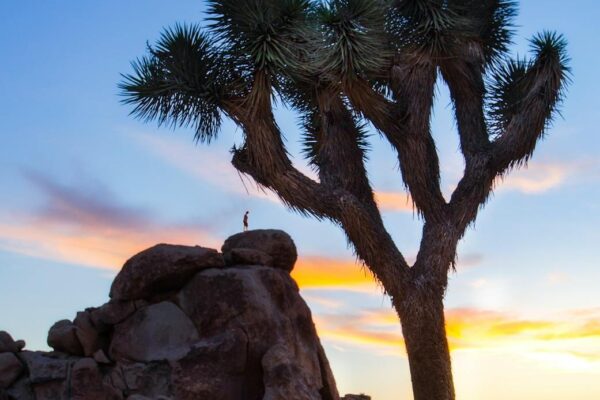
[83,186]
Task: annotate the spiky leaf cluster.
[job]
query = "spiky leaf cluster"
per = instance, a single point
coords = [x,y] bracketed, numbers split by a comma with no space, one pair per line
[180,82]
[264,35]
[440,28]
[312,125]
[515,82]
[428,26]
[354,41]
[506,91]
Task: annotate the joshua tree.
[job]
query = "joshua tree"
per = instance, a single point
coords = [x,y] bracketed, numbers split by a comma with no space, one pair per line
[340,64]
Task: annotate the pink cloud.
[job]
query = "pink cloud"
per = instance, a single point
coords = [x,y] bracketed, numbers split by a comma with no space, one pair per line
[537,177]
[89,229]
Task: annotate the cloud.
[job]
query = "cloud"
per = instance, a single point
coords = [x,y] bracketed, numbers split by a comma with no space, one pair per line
[335,273]
[89,227]
[568,335]
[478,283]
[210,166]
[324,272]
[359,330]
[394,201]
[557,278]
[538,177]
[213,167]
[468,261]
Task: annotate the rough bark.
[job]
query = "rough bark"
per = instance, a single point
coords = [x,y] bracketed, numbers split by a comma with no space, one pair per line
[423,328]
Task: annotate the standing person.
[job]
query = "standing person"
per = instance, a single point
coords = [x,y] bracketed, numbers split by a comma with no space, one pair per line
[246,221]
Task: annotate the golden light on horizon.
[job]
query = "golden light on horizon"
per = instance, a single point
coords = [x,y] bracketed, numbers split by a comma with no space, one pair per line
[567,343]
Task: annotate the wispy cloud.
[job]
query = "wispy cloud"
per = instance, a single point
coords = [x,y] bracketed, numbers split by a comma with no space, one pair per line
[538,177]
[557,278]
[468,261]
[207,165]
[89,227]
[214,168]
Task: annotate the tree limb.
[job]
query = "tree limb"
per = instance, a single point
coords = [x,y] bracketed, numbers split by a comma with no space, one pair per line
[542,83]
[464,77]
[406,126]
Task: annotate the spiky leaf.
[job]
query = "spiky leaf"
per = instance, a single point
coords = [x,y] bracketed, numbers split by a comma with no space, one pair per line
[354,39]
[180,83]
[260,34]
[516,82]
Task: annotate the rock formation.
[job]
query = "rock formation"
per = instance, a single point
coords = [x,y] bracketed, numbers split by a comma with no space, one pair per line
[184,323]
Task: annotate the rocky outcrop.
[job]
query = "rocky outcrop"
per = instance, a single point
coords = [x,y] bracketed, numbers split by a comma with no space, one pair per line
[184,324]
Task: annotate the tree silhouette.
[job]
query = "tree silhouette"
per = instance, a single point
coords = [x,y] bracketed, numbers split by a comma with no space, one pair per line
[340,64]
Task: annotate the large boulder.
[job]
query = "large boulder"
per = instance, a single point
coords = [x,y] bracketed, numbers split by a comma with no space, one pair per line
[62,337]
[275,243]
[10,369]
[111,313]
[157,332]
[8,345]
[161,268]
[264,303]
[88,335]
[216,368]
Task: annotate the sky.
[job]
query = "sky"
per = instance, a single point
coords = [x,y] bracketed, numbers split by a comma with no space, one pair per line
[84,186]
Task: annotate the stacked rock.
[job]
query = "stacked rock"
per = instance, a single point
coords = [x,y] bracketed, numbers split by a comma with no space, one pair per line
[185,323]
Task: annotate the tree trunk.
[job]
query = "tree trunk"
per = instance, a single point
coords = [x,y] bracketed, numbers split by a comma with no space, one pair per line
[423,326]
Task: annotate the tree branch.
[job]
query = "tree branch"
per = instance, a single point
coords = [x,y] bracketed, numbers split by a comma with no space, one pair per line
[339,157]
[406,126]
[526,96]
[542,87]
[464,77]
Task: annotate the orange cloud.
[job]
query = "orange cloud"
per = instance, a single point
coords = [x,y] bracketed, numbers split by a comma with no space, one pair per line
[394,201]
[313,271]
[537,177]
[89,229]
[92,246]
[327,272]
[358,331]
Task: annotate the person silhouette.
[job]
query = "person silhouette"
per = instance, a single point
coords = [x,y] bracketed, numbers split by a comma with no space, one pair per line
[246,221]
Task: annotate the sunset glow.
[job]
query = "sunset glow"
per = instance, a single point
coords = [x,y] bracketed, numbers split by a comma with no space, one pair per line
[84,186]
